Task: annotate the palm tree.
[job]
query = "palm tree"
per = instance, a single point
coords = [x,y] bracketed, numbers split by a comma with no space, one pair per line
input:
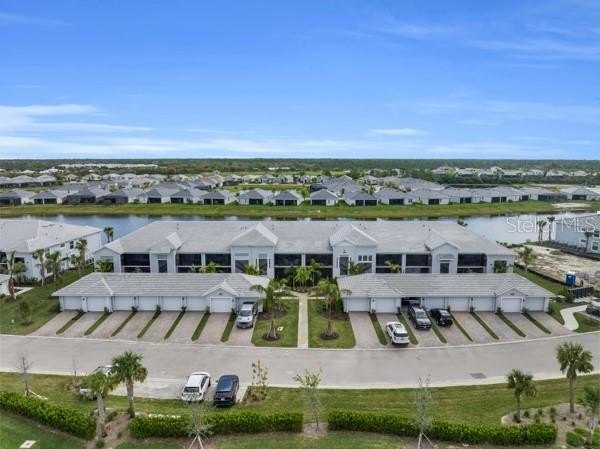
[541,225]
[573,359]
[54,264]
[354,268]
[522,384]
[100,385]
[393,266]
[332,295]
[551,220]
[591,402]
[302,275]
[210,267]
[40,255]
[588,235]
[527,257]
[81,247]
[315,271]
[109,231]
[13,268]
[128,369]
[271,294]
[104,265]
[252,270]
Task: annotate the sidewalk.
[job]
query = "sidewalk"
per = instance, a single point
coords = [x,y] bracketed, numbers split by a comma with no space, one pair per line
[302,320]
[570,321]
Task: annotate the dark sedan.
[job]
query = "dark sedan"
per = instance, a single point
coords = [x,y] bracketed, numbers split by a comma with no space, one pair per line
[593,308]
[226,392]
[442,317]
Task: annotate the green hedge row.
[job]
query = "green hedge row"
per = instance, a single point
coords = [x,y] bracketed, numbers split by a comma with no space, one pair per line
[223,423]
[61,418]
[444,431]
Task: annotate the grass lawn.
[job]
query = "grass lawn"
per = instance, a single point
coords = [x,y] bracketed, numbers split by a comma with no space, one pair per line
[474,403]
[302,211]
[333,440]
[228,327]
[554,287]
[485,326]
[288,337]
[512,325]
[43,307]
[14,431]
[411,335]
[317,324]
[556,307]
[200,327]
[151,445]
[586,323]
[378,329]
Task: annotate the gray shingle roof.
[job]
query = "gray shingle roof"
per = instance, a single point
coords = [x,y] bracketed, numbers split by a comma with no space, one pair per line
[323,194]
[162,284]
[421,284]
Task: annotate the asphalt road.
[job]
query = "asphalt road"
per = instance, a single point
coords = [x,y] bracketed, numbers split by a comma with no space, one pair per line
[169,364]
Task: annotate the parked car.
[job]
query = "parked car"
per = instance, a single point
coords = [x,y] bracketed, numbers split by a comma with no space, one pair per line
[246,315]
[593,308]
[442,317]
[419,318]
[196,387]
[397,333]
[104,369]
[226,393]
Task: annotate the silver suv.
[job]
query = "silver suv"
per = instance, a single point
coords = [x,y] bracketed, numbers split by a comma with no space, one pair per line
[246,315]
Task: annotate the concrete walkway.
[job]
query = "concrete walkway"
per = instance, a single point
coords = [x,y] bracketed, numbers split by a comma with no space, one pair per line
[302,320]
[567,314]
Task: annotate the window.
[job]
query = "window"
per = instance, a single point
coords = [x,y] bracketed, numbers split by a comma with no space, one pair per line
[163,266]
[219,259]
[343,262]
[71,245]
[418,260]
[135,259]
[471,260]
[263,264]
[189,259]
[240,265]
[325,260]
[288,260]
[595,246]
[365,258]
[444,267]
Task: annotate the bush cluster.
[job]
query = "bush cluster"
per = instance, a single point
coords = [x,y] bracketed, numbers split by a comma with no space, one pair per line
[65,419]
[444,431]
[222,423]
[574,439]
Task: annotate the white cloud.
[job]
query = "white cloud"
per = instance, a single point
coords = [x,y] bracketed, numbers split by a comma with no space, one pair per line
[20,19]
[391,26]
[399,132]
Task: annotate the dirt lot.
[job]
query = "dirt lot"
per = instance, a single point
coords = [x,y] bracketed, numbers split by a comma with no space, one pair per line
[555,263]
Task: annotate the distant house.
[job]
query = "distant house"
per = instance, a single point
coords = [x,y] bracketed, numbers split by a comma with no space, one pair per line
[188,196]
[16,197]
[287,198]
[255,197]
[49,197]
[218,197]
[359,198]
[429,197]
[323,197]
[393,197]
[541,194]
[506,194]
[87,195]
[125,196]
[580,194]
[461,196]
[580,232]
[161,194]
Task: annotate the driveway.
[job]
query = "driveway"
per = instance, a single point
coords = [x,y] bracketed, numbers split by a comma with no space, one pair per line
[49,329]
[385,318]
[426,338]
[501,329]
[454,335]
[186,327]
[523,323]
[78,328]
[364,333]
[550,323]
[473,328]
[240,337]
[106,329]
[134,326]
[213,331]
[160,327]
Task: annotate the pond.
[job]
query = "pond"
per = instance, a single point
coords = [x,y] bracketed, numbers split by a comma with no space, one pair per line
[509,228]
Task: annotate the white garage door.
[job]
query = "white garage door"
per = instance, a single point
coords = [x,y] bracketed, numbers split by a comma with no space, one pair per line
[221,304]
[484,304]
[434,303]
[72,303]
[534,304]
[385,305]
[196,303]
[96,303]
[172,303]
[511,304]
[459,304]
[122,302]
[357,305]
[147,302]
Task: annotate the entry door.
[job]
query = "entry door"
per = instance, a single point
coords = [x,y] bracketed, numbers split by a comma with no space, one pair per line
[343,262]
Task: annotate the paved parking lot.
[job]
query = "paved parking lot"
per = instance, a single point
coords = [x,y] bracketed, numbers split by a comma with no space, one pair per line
[472,327]
[523,323]
[106,329]
[186,327]
[134,326]
[213,331]
[240,337]
[454,335]
[501,329]
[424,337]
[364,333]
[49,329]
[550,323]
[160,327]
[78,328]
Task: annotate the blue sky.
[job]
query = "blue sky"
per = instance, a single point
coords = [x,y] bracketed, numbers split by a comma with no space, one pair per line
[391,79]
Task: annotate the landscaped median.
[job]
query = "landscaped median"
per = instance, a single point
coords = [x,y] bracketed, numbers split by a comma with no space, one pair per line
[287,325]
[317,325]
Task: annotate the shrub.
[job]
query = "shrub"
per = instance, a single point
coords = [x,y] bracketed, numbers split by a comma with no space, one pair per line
[574,439]
[99,443]
[61,418]
[223,423]
[526,413]
[445,431]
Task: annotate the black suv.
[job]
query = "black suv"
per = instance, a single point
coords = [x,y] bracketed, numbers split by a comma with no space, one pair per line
[441,316]
[226,392]
[419,318]
[593,308]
